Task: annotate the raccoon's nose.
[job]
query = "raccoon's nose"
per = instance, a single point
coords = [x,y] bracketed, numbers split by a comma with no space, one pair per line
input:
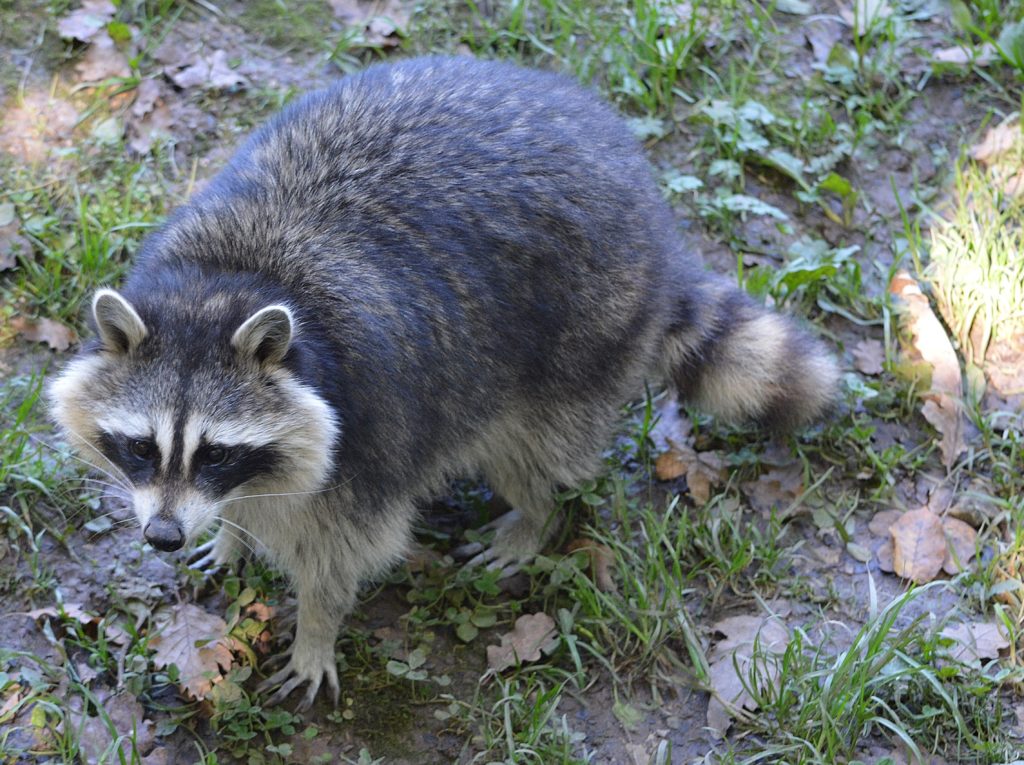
[164,534]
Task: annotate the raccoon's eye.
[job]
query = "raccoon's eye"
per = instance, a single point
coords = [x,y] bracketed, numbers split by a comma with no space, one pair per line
[215,455]
[142,448]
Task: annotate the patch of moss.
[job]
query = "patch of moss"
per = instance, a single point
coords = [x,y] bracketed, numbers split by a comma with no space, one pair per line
[300,24]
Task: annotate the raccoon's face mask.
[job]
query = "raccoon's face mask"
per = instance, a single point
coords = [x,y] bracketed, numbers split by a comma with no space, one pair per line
[186,430]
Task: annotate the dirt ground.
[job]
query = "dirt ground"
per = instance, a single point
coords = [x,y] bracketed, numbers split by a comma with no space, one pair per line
[183,115]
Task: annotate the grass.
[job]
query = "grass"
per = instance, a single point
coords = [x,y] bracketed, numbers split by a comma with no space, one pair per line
[772,171]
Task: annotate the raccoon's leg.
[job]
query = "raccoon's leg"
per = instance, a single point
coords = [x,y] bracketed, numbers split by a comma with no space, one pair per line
[322,606]
[328,555]
[526,464]
[744,363]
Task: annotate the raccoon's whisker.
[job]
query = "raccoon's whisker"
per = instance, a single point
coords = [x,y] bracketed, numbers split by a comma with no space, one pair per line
[86,462]
[288,493]
[120,477]
[244,536]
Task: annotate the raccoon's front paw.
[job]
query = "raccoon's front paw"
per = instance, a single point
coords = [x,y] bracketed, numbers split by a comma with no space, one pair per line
[219,553]
[517,540]
[305,665]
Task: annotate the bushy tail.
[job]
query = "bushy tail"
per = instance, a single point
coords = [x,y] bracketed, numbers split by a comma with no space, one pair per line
[737,360]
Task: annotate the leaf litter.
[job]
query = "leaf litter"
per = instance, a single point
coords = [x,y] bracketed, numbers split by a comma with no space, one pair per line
[943,402]
[747,640]
[197,643]
[532,636]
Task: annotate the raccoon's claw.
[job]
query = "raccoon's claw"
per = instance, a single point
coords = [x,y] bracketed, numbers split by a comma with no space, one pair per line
[515,544]
[294,675]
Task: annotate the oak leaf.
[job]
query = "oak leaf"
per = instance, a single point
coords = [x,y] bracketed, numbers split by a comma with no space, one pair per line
[868,356]
[197,643]
[975,640]
[532,635]
[918,545]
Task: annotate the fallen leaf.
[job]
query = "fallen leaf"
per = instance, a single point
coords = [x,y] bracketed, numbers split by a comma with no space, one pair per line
[103,60]
[960,539]
[981,55]
[776,488]
[975,641]
[670,430]
[880,524]
[918,546]
[942,406]
[83,23]
[211,72]
[71,610]
[822,33]
[884,555]
[196,642]
[868,356]
[602,559]
[380,20]
[12,243]
[730,659]
[532,635]
[56,335]
[865,14]
[96,740]
[998,140]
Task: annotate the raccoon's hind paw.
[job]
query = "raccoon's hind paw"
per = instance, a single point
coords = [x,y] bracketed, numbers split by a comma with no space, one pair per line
[516,542]
[308,667]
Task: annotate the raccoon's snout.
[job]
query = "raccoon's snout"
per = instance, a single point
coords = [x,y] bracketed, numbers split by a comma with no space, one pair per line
[164,534]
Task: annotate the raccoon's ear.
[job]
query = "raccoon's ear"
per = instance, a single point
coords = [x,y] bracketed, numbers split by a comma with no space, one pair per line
[265,335]
[119,325]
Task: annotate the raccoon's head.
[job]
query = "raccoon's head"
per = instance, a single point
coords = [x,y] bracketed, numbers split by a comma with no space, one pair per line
[189,414]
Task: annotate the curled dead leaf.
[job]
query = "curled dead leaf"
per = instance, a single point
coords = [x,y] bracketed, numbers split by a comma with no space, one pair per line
[943,406]
[532,635]
[602,560]
[86,21]
[918,545]
[56,335]
[868,357]
[960,546]
[976,640]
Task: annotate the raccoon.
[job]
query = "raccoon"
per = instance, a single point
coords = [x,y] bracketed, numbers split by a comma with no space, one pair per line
[433,268]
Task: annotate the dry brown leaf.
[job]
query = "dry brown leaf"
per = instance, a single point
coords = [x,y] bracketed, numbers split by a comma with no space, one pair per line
[981,55]
[735,652]
[56,335]
[674,463]
[380,19]
[776,488]
[918,546]
[882,521]
[868,356]
[103,60]
[12,243]
[943,406]
[211,72]
[960,545]
[602,559]
[863,15]
[532,635]
[975,641]
[83,24]
[196,642]
[72,610]
[671,430]
[997,141]
[884,555]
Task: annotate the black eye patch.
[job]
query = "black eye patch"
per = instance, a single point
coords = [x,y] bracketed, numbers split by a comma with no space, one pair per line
[218,469]
[138,458]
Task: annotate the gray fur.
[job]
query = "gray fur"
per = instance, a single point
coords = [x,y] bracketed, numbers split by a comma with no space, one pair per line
[470,268]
